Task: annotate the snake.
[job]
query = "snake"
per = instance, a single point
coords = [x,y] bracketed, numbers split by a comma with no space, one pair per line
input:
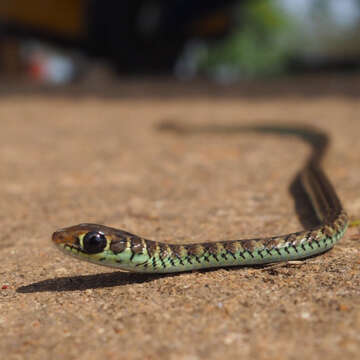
[108,246]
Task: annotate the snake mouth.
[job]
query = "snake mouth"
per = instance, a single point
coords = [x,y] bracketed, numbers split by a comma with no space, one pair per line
[67,243]
[71,248]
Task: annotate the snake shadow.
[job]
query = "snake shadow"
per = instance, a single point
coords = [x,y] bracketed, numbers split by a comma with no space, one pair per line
[312,136]
[84,282]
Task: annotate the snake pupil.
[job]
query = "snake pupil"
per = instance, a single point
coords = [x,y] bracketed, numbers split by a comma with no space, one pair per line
[94,242]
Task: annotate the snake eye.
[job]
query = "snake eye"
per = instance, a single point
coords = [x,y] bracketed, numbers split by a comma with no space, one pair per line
[94,242]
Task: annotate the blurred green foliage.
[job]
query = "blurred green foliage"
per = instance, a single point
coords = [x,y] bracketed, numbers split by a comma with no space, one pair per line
[257,47]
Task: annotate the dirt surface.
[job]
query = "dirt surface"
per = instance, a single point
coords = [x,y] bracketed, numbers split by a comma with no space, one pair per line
[92,153]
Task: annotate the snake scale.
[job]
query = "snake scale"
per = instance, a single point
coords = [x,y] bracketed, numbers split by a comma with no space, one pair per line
[108,246]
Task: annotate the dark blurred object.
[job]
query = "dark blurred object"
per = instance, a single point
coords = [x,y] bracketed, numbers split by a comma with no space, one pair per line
[316,65]
[63,21]
[136,35]
[10,62]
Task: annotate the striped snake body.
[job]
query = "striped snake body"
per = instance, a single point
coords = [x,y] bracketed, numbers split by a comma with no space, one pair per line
[108,246]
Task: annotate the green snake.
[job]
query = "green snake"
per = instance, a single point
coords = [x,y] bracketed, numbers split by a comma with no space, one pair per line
[108,246]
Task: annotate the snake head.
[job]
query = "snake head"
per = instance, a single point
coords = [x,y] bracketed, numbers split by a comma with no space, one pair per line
[90,240]
[103,245]
[84,238]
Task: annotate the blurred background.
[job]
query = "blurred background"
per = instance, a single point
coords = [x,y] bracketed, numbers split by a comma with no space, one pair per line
[58,42]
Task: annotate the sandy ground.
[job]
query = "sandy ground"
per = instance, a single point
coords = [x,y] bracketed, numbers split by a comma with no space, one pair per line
[93,154]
